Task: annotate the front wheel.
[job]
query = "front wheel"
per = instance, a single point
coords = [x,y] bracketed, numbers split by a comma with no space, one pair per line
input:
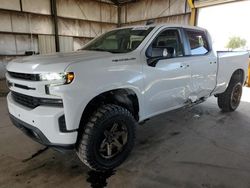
[230,99]
[108,138]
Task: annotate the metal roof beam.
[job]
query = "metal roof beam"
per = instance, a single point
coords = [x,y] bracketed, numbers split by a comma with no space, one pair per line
[121,2]
[207,3]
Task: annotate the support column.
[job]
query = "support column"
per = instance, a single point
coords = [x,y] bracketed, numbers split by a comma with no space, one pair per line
[55,22]
[119,11]
[248,81]
[193,17]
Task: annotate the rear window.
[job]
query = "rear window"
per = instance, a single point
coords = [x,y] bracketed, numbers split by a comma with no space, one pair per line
[198,42]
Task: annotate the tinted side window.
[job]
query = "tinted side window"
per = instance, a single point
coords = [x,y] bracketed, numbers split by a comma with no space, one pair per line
[198,42]
[169,39]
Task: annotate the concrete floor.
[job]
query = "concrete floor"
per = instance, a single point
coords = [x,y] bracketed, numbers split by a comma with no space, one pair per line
[195,147]
[3,88]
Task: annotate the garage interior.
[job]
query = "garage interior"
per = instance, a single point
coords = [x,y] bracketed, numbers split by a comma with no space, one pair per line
[195,147]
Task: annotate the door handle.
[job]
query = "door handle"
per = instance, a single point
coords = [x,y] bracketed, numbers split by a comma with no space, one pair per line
[184,66]
[212,62]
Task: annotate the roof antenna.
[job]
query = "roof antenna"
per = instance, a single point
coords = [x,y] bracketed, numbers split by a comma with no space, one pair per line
[150,22]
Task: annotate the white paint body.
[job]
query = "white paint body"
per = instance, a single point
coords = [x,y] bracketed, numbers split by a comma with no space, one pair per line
[159,89]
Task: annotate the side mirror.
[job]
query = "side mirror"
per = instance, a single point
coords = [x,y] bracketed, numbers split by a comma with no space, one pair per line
[156,54]
[160,52]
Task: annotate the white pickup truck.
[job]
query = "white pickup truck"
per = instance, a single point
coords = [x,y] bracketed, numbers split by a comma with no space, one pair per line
[91,100]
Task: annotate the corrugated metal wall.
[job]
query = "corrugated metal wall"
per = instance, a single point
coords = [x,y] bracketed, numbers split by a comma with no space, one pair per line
[32,20]
[27,25]
[66,44]
[162,11]
[85,18]
[46,44]
[206,3]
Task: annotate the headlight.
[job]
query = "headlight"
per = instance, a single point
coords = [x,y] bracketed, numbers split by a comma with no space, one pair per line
[52,76]
[61,78]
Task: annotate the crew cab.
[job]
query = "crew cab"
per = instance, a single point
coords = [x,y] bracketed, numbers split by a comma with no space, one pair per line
[91,100]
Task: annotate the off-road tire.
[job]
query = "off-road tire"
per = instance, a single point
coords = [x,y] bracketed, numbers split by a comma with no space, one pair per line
[225,100]
[87,148]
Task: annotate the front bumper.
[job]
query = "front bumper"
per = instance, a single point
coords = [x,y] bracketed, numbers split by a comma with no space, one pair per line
[37,135]
[41,124]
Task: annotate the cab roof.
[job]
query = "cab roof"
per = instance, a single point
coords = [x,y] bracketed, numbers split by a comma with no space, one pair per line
[165,25]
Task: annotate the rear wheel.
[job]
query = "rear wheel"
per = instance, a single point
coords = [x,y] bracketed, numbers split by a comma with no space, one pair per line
[108,138]
[230,99]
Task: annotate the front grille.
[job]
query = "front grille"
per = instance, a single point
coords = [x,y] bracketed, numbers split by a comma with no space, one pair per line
[33,102]
[25,100]
[24,76]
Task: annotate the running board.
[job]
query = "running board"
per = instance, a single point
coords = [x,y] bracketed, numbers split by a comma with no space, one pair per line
[189,102]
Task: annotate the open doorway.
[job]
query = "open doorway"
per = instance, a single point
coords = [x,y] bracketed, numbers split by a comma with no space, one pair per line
[227,21]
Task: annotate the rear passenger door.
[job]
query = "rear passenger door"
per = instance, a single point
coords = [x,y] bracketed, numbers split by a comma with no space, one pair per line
[202,61]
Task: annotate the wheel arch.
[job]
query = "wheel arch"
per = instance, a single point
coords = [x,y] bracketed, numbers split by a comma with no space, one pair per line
[124,97]
[239,75]
[229,100]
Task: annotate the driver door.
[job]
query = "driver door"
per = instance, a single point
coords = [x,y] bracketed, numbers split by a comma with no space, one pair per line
[167,81]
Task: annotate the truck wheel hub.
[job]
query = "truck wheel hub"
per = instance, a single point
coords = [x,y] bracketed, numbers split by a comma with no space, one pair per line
[236,95]
[114,140]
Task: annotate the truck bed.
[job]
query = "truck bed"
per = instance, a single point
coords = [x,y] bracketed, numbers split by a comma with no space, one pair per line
[228,63]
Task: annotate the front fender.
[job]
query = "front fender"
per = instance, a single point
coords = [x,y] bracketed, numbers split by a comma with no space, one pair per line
[89,84]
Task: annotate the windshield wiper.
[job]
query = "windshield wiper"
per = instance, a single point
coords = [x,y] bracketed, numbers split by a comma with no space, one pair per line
[98,49]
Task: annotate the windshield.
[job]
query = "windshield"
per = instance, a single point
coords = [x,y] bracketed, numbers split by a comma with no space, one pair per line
[119,41]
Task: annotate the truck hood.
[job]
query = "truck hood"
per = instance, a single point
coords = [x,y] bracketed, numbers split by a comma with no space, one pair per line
[57,62]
